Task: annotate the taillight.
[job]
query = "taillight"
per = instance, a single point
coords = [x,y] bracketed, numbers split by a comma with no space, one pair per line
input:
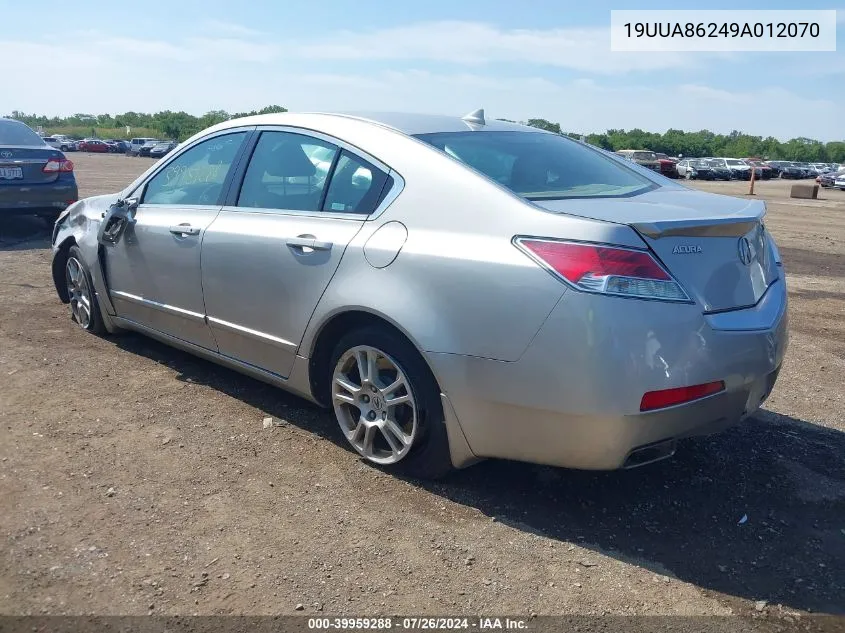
[679,395]
[605,269]
[57,164]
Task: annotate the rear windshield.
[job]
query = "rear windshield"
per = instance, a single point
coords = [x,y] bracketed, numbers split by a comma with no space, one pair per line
[16,133]
[541,166]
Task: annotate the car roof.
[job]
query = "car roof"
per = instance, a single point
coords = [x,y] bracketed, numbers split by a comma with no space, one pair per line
[407,123]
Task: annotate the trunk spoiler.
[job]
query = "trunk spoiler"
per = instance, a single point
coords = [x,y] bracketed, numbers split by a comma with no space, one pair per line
[734,226]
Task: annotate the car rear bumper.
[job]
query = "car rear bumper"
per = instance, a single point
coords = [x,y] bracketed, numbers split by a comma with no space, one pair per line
[46,198]
[573,398]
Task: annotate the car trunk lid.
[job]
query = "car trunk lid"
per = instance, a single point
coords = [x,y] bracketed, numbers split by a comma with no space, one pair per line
[24,165]
[715,246]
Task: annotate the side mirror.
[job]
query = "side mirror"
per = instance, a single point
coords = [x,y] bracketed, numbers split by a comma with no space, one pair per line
[119,216]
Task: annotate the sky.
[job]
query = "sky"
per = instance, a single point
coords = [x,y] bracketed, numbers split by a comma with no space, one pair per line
[519,60]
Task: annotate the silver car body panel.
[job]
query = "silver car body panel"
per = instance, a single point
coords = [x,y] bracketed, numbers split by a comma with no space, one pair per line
[528,367]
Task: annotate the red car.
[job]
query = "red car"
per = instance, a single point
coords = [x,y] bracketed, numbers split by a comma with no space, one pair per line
[668,166]
[93,145]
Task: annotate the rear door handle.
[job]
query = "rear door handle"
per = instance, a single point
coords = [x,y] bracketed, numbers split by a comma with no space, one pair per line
[309,242]
[184,229]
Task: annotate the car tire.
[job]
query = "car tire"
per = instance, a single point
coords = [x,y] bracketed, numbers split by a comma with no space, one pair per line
[363,411]
[82,300]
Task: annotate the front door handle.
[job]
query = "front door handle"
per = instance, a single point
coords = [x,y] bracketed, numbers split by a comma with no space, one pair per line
[308,243]
[183,230]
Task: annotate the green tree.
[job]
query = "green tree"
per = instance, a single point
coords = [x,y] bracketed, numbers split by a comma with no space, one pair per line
[545,125]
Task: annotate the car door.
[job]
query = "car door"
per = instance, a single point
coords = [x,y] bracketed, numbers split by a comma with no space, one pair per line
[271,252]
[153,271]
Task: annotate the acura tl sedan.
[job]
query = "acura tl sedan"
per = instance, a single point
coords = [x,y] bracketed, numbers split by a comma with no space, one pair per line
[452,289]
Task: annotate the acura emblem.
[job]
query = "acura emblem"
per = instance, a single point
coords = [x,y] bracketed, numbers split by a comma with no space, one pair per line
[746,251]
[5,154]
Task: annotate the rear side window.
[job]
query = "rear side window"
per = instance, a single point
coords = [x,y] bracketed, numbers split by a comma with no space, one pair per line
[540,166]
[355,187]
[17,133]
[197,175]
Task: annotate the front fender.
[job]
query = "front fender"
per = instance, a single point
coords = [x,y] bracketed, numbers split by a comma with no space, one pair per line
[78,226]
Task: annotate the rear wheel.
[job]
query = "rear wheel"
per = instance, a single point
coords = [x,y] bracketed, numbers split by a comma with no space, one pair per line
[387,403]
[84,309]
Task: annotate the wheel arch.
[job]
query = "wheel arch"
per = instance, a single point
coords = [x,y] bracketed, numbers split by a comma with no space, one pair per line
[332,329]
[58,267]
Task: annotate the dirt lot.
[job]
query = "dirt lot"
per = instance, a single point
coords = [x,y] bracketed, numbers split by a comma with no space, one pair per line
[136,479]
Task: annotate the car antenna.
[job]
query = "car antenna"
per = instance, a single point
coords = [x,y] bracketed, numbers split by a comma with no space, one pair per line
[476,117]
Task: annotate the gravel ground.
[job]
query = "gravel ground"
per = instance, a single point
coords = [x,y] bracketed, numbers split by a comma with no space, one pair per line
[137,479]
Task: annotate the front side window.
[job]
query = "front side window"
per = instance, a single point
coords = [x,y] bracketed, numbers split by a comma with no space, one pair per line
[196,176]
[541,166]
[287,171]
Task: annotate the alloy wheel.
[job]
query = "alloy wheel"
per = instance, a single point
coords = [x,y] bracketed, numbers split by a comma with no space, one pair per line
[78,292]
[374,404]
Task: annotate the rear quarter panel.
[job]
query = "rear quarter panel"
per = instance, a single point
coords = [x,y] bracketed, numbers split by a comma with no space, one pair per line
[458,285]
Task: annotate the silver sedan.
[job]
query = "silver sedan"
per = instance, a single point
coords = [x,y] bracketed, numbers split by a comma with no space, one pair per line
[452,288]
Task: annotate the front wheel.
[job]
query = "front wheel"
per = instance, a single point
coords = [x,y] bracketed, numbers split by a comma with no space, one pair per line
[84,309]
[387,403]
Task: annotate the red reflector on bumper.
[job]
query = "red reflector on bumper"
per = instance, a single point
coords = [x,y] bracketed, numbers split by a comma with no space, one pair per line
[679,395]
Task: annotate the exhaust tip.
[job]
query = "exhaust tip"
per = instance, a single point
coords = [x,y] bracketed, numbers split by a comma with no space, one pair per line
[650,453]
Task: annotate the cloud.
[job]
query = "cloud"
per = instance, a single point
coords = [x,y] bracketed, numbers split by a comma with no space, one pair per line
[476,43]
[582,105]
[441,67]
[219,27]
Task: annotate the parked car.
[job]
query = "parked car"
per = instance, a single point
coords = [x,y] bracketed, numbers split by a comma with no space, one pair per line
[696,169]
[761,169]
[785,169]
[162,149]
[720,169]
[117,146]
[645,158]
[136,144]
[147,147]
[378,293]
[35,179]
[806,171]
[60,142]
[740,170]
[828,179]
[94,145]
[730,170]
[667,165]
[839,181]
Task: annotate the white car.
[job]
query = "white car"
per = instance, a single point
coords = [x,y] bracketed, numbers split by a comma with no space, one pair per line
[840,181]
[60,142]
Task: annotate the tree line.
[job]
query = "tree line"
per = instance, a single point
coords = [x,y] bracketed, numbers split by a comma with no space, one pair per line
[181,125]
[707,143]
[174,125]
